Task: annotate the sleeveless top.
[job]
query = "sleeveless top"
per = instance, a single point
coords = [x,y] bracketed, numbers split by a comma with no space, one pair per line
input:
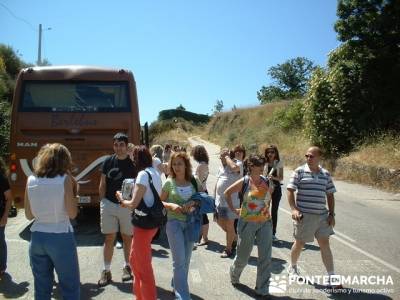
[46,198]
[255,199]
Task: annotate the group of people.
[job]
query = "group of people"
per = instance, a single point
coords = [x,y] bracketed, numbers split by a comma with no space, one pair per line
[247,195]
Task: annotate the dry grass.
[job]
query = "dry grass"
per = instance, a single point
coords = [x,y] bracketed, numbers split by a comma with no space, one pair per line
[174,137]
[376,162]
[381,152]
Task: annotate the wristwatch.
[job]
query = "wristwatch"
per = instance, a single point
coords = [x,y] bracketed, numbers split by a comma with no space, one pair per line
[332,214]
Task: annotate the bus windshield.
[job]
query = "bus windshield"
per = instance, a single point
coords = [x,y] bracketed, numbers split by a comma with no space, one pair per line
[67,96]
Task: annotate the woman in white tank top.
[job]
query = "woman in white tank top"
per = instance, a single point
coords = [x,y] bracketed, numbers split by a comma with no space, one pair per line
[50,199]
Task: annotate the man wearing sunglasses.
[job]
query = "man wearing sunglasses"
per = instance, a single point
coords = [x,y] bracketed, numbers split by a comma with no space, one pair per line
[113,217]
[311,217]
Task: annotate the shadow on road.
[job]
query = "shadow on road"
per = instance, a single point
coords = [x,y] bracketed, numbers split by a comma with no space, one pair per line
[169,295]
[214,246]
[277,266]
[288,245]
[91,290]
[10,289]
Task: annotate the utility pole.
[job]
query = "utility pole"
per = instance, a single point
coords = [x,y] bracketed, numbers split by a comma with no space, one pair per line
[39,59]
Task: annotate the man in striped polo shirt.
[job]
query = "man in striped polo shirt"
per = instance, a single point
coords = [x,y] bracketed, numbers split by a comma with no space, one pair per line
[310,216]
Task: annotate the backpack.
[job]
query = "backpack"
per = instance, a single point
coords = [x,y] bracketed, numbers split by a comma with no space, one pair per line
[245,185]
[150,217]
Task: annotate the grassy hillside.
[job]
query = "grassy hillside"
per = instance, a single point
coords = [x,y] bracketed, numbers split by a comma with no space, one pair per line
[255,127]
[375,162]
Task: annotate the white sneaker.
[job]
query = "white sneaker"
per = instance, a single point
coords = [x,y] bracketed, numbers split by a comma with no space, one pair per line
[118,245]
[293,271]
[274,238]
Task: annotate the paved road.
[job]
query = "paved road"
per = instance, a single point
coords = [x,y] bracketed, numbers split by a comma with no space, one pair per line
[366,244]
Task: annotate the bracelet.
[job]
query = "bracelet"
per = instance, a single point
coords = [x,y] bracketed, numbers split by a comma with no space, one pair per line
[332,214]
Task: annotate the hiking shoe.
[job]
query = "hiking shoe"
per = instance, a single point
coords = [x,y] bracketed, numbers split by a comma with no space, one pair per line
[105,278]
[293,271]
[126,273]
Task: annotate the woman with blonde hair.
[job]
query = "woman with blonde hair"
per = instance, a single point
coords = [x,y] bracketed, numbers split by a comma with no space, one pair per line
[230,171]
[156,152]
[176,194]
[51,200]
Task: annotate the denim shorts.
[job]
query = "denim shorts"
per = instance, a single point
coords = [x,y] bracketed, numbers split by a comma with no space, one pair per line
[226,213]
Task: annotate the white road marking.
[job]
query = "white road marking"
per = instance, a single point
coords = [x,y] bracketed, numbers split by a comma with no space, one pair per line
[371,256]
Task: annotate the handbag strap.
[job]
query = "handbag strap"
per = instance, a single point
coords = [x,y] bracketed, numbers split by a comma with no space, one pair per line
[153,189]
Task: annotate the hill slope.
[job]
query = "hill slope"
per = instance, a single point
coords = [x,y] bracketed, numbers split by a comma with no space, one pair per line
[376,162]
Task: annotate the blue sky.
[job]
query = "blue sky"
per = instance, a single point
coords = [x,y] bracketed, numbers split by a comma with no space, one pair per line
[181,52]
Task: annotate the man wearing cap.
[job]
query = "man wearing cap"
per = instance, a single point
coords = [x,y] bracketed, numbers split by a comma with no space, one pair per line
[113,217]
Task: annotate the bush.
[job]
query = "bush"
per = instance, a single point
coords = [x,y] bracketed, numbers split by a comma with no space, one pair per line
[329,115]
[5,113]
[290,117]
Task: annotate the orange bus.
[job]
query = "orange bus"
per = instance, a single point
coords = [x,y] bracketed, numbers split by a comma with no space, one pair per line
[80,107]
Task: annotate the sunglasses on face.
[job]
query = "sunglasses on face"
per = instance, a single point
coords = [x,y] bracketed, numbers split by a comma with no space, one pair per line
[271,152]
[309,156]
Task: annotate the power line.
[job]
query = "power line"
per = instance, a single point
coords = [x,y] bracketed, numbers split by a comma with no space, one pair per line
[18,18]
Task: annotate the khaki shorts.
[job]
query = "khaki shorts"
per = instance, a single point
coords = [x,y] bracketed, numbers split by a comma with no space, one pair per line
[114,218]
[310,226]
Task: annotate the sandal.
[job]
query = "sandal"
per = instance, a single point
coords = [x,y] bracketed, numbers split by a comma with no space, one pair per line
[203,243]
[227,253]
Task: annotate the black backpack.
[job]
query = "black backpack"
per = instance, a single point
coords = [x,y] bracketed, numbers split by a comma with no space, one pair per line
[150,217]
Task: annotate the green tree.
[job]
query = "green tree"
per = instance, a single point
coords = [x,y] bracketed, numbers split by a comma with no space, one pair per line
[10,65]
[358,93]
[180,107]
[291,79]
[219,106]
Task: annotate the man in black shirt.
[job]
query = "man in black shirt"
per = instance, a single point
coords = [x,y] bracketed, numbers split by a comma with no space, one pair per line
[115,169]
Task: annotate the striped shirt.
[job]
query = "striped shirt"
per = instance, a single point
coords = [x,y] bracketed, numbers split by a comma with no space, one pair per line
[311,189]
